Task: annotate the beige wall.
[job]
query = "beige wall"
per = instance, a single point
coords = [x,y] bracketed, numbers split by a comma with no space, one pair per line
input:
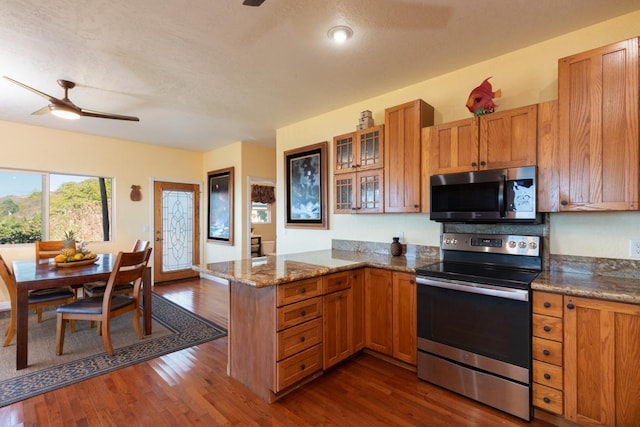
[526,77]
[248,160]
[128,163]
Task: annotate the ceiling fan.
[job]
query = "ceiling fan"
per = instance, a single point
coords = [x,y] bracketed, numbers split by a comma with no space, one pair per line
[252,2]
[65,108]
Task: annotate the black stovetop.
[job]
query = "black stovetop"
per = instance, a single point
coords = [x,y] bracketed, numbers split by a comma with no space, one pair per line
[517,278]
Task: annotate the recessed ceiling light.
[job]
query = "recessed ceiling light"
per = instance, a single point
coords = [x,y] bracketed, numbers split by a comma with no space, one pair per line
[340,34]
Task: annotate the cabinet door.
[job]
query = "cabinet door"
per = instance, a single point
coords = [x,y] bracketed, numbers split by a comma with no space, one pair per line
[378,291]
[508,138]
[404,317]
[452,147]
[357,309]
[370,148]
[548,185]
[602,362]
[344,153]
[599,153]
[359,192]
[336,323]
[403,133]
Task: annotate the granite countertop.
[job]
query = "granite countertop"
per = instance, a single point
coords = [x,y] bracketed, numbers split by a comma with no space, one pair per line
[274,270]
[610,288]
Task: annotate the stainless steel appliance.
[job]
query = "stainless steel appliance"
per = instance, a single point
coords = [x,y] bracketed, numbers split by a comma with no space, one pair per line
[497,195]
[474,318]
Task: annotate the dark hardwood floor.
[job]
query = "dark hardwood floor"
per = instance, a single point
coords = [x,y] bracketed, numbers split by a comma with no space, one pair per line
[191,388]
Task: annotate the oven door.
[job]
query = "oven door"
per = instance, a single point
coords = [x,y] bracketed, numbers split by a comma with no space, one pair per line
[477,324]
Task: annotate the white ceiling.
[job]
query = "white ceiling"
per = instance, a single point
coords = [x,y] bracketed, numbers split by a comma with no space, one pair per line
[201,74]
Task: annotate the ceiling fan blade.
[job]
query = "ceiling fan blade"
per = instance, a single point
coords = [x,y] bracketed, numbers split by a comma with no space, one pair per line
[98,114]
[43,110]
[36,91]
[252,2]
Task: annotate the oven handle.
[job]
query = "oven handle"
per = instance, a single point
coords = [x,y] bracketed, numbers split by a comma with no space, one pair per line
[477,288]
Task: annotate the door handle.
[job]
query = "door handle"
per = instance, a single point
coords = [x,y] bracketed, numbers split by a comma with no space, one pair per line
[158,239]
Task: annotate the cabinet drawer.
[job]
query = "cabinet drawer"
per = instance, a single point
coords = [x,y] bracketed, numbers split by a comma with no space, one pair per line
[294,340]
[547,351]
[547,327]
[546,303]
[298,291]
[294,314]
[298,367]
[548,374]
[547,398]
[336,282]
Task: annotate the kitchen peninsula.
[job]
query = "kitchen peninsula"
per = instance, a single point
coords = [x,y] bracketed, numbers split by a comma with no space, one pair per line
[292,316]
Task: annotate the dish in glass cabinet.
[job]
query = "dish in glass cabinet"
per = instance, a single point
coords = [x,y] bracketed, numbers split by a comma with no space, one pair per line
[77,263]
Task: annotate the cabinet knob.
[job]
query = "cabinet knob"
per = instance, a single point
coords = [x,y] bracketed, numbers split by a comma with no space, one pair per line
[303,290]
[547,304]
[546,352]
[474,164]
[302,338]
[412,281]
[564,203]
[303,313]
[483,163]
[546,400]
[547,328]
[302,367]
[570,306]
[416,206]
[547,376]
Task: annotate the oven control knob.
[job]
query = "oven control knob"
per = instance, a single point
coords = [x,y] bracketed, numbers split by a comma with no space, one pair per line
[512,244]
[532,245]
[447,241]
[522,245]
[454,241]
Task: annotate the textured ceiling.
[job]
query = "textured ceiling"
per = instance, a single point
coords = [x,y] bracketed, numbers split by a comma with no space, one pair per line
[201,74]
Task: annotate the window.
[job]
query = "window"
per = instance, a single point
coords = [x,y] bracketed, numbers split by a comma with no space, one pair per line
[81,204]
[260,213]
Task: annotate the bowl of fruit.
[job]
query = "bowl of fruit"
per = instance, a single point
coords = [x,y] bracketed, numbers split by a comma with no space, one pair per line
[70,257]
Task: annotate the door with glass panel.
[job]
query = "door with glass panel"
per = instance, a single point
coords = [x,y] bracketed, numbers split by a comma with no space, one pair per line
[176,230]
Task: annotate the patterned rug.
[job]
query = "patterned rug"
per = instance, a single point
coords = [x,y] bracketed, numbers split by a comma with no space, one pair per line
[174,329]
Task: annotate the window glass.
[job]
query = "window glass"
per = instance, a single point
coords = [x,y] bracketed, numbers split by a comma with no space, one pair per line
[260,213]
[81,204]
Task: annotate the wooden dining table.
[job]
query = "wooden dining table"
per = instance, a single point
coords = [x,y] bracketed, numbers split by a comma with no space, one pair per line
[39,274]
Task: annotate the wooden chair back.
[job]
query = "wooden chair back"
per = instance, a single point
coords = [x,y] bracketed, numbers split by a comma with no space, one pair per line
[9,280]
[129,267]
[47,249]
[140,245]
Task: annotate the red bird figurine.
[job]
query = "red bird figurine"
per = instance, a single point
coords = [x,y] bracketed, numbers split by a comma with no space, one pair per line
[481,99]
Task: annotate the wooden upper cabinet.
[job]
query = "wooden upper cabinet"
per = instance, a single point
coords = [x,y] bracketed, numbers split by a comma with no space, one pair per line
[508,138]
[598,128]
[451,147]
[403,135]
[358,151]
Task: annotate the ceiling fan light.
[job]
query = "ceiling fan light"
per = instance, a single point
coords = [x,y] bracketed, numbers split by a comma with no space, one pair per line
[340,34]
[64,112]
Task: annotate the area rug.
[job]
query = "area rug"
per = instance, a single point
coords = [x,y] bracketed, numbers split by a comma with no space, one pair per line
[174,328]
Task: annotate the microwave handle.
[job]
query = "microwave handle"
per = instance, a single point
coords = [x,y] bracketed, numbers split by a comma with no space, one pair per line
[501,196]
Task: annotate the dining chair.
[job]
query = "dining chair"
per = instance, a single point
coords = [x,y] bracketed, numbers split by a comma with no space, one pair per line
[37,299]
[129,267]
[48,249]
[94,289]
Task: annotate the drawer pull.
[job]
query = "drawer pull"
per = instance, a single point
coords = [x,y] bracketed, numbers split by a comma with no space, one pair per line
[302,367]
[412,281]
[570,306]
[547,304]
[302,340]
[546,400]
[303,290]
[303,313]
[547,376]
[546,352]
[547,328]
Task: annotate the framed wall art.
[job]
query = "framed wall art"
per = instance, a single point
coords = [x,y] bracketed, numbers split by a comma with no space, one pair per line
[306,187]
[220,208]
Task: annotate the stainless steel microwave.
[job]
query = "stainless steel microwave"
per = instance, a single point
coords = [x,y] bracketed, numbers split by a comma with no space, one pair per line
[489,196]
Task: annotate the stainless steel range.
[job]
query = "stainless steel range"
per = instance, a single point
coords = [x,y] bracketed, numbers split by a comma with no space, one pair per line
[474,318]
